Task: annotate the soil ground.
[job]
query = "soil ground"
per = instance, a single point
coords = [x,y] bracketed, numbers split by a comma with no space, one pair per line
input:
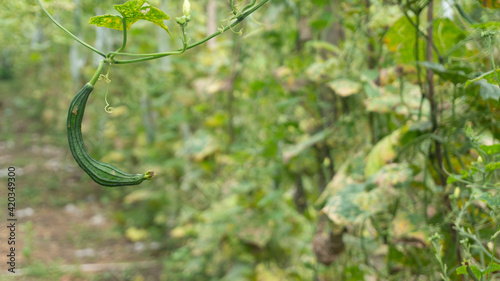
[65,228]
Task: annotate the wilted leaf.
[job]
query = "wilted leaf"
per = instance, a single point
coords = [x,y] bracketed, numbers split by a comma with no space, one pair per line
[137,195]
[383,103]
[319,71]
[393,175]
[339,181]
[253,228]
[353,203]
[258,236]
[199,146]
[384,16]
[269,272]
[492,4]
[382,153]
[303,145]
[345,87]
[340,208]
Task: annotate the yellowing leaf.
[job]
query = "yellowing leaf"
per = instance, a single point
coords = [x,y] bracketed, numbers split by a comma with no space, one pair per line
[298,148]
[111,21]
[136,234]
[492,4]
[345,87]
[382,153]
[137,195]
[132,11]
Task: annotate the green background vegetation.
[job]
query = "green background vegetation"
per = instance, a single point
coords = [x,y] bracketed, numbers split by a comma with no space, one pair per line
[317,145]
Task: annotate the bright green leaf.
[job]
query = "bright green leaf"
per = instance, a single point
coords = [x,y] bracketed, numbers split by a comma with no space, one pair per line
[400,39]
[462,270]
[492,267]
[491,149]
[491,25]
[489,76]
[492,166]
[475,270]
[452,178]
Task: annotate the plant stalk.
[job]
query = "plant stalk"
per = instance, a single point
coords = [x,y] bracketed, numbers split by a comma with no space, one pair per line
[152,56]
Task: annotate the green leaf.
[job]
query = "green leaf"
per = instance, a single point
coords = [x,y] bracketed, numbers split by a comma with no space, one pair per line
[400,39]
[305,144]
[492,166]
[453,178]
[491,149]
[492,201]
[475,270]
[132,11]
[492,267]
[488,76]
[491,25]
[454,76]
[462,270]
[487,90]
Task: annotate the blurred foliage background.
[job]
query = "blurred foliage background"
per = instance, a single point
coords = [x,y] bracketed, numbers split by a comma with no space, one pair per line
[313,146]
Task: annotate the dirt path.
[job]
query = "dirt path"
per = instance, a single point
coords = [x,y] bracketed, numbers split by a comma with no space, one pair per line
[60,222]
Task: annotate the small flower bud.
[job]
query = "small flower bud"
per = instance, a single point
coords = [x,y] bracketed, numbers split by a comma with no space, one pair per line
[186,8]
[181,20]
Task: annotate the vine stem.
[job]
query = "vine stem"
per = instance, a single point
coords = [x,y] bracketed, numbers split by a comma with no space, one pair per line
[146,57]
[97,73]
[69,33]
[124,42]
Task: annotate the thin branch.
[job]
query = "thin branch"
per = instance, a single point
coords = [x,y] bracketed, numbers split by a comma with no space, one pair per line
[478,243]
[97,73]
[124,42]
[69,33]
[146,57]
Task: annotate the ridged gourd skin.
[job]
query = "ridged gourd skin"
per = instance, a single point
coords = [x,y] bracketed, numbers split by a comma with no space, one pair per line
[102,173]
